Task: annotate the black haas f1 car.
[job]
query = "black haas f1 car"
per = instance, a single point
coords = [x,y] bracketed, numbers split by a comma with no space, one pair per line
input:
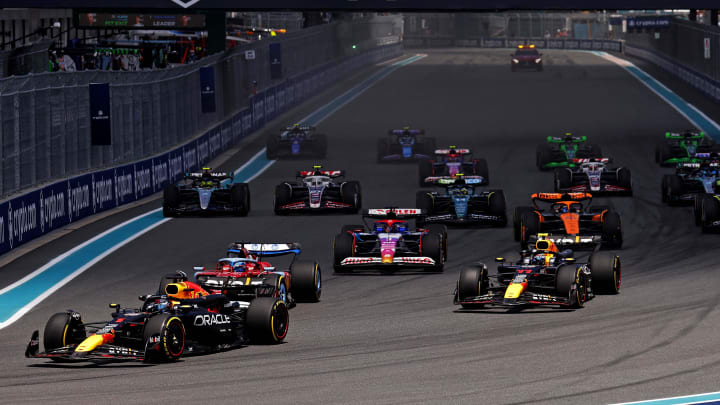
[318,191]
[206,192]
[297,141]
[389,244]
[450,162]
[244,275]
[691,180]
[567,219]
[593,175]
[461,204]
[181,319]
[543,276]
[405,145]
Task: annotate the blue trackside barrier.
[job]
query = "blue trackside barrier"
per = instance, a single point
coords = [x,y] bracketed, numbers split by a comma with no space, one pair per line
[54,206]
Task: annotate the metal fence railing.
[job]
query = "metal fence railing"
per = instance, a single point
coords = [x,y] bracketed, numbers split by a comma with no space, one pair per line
[44,118]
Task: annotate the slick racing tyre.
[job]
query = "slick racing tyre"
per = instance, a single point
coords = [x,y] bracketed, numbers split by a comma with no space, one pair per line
[63,329]
[517,215]
[342,248]
[240,199]
[440,229]
[672,186]
[164,336]
[529,226]
[570,282]
[272,148]
[698,202]
[306,283]
[283,194]
[431,246]
[624,178]
[382,147]
[473,282]
[481,169]
[350,194]
[320,146]
[710,212]
[425,170]
[281,288]
[171,200]
[267,320]
[605,270]
[543,156]
[563,179]
[612,237]
[496,207]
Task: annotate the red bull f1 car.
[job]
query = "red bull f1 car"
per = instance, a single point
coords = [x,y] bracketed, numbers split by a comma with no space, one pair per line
[595,176]
[206,192]
[405,145]
[297,141]
[183,318]
[388,244]
[243,274]
[451,162]
[543,276]
[317,191]
[567,219]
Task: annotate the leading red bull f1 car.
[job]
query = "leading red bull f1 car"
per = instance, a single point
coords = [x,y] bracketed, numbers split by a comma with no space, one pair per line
[543,276]
[181,318]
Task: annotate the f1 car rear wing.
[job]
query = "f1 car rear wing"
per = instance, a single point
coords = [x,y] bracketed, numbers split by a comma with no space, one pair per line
[299,128]
[698,165]
[685,135]
[452,150]
[590,160]
[406,131]
[567,138]
[330,173]
[554,197]
[217,175]
[451,180]
[266,249]
[575,242]
[399,213]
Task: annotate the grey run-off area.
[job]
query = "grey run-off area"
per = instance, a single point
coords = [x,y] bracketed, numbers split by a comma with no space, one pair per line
[396,339]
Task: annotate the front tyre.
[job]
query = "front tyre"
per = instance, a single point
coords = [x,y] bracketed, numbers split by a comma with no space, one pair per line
[306,283]
[240,199]
[606,275]
[63,329]
[570,283]
[473,282]
[268,320]
[342,249]
[164,336]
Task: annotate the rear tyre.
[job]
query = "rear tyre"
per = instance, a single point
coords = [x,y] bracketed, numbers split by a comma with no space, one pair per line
[267,320]
[440,229]
[612,231]
[63,329]
[472,282]
[672,188]
[563,179]
[382,147]
[710,213]
[424,201]
[624,178]
[698,202]
[306,283]
[272,148]
[432,248]
[425,170]
[517,215]
[170,334]
[350,193]
[283,194]
[481,169]
[496,207]
[342,248]
[570,282]
[171,200]
[529,226]
[320,146]
[543,156]
[240,199]
[605,268]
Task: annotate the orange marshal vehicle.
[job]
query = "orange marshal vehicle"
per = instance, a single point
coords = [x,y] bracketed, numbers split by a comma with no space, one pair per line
[567,219]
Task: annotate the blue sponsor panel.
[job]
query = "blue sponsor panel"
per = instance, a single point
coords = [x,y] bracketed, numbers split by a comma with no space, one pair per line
[176,169]
[269,104]
[124,182]
[280,98]
[258,110]
[160,172]
[103,190]
[143,179]
[226,134]
[203,149]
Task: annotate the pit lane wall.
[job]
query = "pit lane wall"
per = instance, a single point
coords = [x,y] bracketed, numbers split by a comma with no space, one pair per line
[541,43]
[54,206]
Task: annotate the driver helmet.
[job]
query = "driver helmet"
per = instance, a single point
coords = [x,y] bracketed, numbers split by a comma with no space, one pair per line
[380,227]
[399,227]
[561,209]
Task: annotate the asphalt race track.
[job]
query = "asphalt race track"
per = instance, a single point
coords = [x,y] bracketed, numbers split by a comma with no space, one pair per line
[397,338]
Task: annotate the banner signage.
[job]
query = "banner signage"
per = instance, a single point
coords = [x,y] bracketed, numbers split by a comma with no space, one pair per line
[100,128]
[207,89]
